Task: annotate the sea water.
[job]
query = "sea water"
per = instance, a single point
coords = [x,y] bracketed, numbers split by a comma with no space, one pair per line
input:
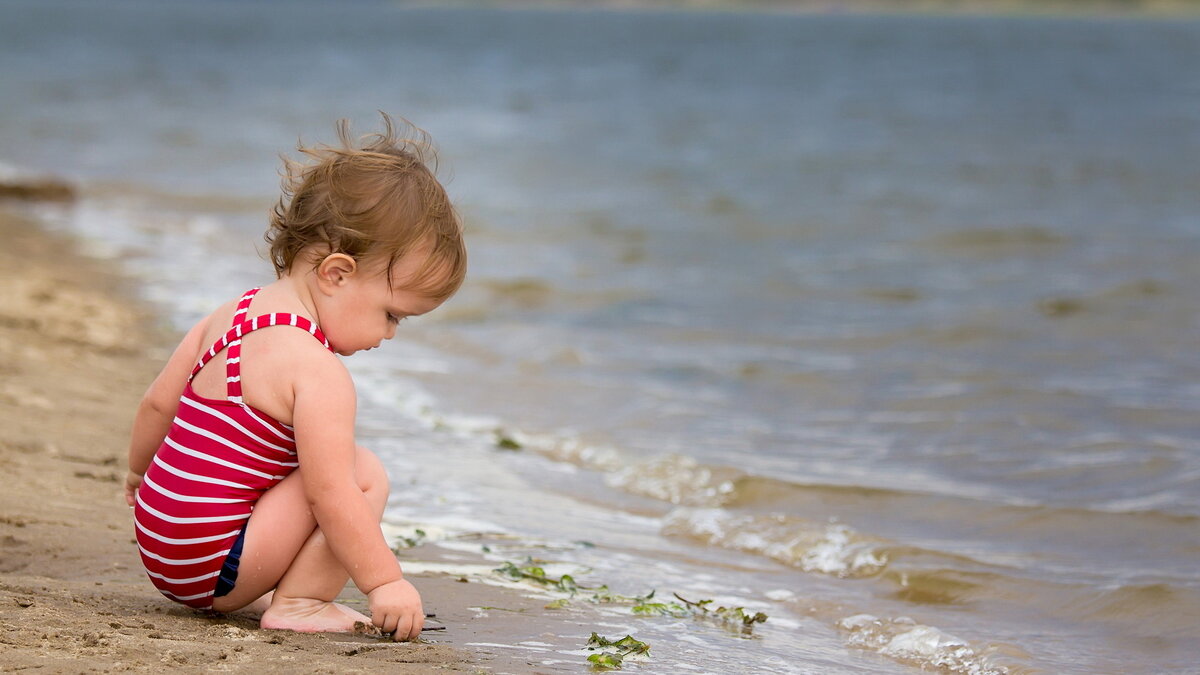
[883,325]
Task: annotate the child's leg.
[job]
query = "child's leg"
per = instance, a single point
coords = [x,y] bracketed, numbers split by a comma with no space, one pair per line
[286,551]
[256,608]
[303,600]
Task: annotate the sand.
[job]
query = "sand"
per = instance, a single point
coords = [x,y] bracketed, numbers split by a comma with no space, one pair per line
[76,353]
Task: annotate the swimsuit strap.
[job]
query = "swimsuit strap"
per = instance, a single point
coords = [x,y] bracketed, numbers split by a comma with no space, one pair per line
[233,358]
[232,339]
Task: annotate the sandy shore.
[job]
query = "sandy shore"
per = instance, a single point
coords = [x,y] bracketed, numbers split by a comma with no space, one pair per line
[75,356]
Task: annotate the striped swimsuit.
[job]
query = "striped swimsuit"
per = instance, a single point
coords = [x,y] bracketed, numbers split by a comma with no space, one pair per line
[219,457]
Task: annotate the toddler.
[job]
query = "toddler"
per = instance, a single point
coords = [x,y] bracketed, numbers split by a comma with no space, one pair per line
[247,486]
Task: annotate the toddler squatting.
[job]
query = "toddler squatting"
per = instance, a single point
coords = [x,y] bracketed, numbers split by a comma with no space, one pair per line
[247,485]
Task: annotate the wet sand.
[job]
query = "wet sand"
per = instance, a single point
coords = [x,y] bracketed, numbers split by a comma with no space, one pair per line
[75,356]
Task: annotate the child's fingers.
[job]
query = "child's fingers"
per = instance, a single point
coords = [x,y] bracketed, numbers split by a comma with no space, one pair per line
[404,629]
[386,622]
[132,482]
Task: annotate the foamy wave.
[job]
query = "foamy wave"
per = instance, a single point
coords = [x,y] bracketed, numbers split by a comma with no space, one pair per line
[918,645]
[408,397]
[813,547]
[565,448]
[12,172]
[677,479]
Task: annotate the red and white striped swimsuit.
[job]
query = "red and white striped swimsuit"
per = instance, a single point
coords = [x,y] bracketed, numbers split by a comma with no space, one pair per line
[219,457]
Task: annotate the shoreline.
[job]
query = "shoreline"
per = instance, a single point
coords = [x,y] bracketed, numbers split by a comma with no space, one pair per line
[1098,9]
[76,353]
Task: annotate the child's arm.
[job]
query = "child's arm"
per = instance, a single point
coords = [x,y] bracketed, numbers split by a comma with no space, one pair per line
[158,407]
[323,418]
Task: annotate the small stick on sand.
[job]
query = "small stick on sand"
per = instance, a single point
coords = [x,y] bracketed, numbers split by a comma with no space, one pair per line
[371,630]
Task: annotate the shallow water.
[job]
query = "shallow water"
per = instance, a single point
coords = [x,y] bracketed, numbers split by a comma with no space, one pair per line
[883,325]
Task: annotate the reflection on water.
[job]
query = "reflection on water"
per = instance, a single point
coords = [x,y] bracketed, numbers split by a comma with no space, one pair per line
[886,324]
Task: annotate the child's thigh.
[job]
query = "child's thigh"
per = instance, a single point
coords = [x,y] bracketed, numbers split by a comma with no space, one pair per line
[280,524]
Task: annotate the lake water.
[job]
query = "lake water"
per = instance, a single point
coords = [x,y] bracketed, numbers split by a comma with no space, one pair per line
[885,326]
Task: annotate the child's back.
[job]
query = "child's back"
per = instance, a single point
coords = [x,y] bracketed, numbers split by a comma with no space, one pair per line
[218,458]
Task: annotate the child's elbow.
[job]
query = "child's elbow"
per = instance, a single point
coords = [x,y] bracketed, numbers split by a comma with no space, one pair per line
[156,406]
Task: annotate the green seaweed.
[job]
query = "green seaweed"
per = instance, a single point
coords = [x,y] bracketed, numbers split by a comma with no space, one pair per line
[733,618]
[605,661]
[531,572]
[647,608]
[601,594]
[506,442]
[414,541]
[612,653]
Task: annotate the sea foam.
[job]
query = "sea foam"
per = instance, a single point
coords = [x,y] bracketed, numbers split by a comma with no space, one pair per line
[827,548]
[918,645]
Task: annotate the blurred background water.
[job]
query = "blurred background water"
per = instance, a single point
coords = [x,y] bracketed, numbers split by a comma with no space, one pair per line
[884,325]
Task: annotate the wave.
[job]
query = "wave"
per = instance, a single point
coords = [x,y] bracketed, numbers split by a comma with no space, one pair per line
[684,481]
[27,187]
[157,197]
[677,479]
[1112,301]
[488,297]
[920,646]
[1029,562]
[1021,239]
[1158,611]
[1162,619]
[828,548]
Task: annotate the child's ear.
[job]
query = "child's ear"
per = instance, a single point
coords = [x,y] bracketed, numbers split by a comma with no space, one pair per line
[335,270]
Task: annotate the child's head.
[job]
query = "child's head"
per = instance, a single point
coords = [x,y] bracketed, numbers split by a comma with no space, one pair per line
[376,201]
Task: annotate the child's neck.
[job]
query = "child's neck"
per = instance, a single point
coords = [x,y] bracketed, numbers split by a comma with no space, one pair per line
[302,289]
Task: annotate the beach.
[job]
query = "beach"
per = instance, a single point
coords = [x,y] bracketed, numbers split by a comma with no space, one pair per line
[76,353]
[882,324]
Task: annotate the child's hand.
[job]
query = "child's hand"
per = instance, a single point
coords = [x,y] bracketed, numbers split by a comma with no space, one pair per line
[396,608]
[132,482]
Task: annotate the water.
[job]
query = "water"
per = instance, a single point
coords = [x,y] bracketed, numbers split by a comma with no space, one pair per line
[883,325]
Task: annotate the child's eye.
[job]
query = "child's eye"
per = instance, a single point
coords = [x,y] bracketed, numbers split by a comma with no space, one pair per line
[394,318]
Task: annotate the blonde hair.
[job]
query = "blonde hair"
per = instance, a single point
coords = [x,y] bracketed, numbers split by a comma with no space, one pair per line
[375,199]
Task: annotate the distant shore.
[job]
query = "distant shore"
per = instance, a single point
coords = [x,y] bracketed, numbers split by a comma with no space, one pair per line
[1149,8]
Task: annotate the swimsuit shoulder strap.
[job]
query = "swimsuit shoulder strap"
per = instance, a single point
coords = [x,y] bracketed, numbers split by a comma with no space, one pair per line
[232,339]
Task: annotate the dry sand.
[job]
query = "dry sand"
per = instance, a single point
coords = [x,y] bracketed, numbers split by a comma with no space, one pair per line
[75,356]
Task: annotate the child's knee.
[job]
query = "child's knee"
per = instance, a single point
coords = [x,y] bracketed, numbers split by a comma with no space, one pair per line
[369,472]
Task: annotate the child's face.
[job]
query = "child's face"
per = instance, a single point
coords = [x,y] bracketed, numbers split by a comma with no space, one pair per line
[366,308]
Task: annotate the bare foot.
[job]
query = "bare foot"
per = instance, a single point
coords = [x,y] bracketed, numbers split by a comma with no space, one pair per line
[308,615]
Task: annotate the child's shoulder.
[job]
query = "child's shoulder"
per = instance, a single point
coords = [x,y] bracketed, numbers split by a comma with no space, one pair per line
[274,361]
[286,341]
[214,326]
